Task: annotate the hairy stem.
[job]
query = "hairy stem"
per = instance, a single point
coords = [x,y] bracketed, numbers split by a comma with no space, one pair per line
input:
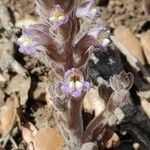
[75,124]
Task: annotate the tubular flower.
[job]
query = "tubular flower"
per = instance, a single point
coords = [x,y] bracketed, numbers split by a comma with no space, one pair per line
[27,45]
[87,9]
[95,32]
[57,16]
[34,37]
[74,83]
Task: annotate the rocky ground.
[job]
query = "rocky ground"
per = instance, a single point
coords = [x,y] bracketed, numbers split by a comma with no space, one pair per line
[24,80]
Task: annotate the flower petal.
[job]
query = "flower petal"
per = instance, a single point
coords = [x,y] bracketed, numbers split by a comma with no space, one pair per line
[33,37]
[27,50]
[43,7]
[74,83]
[84,8]
[77,93]
[86,86]
[87,9]
[57,16]
[95,32]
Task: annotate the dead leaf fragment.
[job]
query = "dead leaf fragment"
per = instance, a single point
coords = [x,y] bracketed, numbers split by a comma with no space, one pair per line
[8,117]
[48,139]
[2,78]
[127,38]
[145,42]
[40,93]
[43,139]
[19,84]
[146,105]
[93,102]
[28,131]
[113,142]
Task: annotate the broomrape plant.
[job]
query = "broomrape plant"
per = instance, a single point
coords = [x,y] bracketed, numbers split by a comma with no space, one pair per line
[55,38]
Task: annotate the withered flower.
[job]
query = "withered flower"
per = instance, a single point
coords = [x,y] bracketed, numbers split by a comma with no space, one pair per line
[122,81]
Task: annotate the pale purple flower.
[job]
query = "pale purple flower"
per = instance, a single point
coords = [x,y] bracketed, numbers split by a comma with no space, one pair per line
[88,9]
[26,45]
[95,32]
[87,45]
[33,38]
[57,16]
[74,83]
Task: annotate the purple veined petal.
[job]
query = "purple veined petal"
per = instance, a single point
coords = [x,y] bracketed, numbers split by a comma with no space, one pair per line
[93,13]
[84,8]
[37,32]
[33,37]
[27,45]
[36,37]
[74,83]
[58,23]
[57,16]
[40,34]
[72,71]
[77,93]
[95,32]
[88,9]
[64,88]
[27,50]
[44,6]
